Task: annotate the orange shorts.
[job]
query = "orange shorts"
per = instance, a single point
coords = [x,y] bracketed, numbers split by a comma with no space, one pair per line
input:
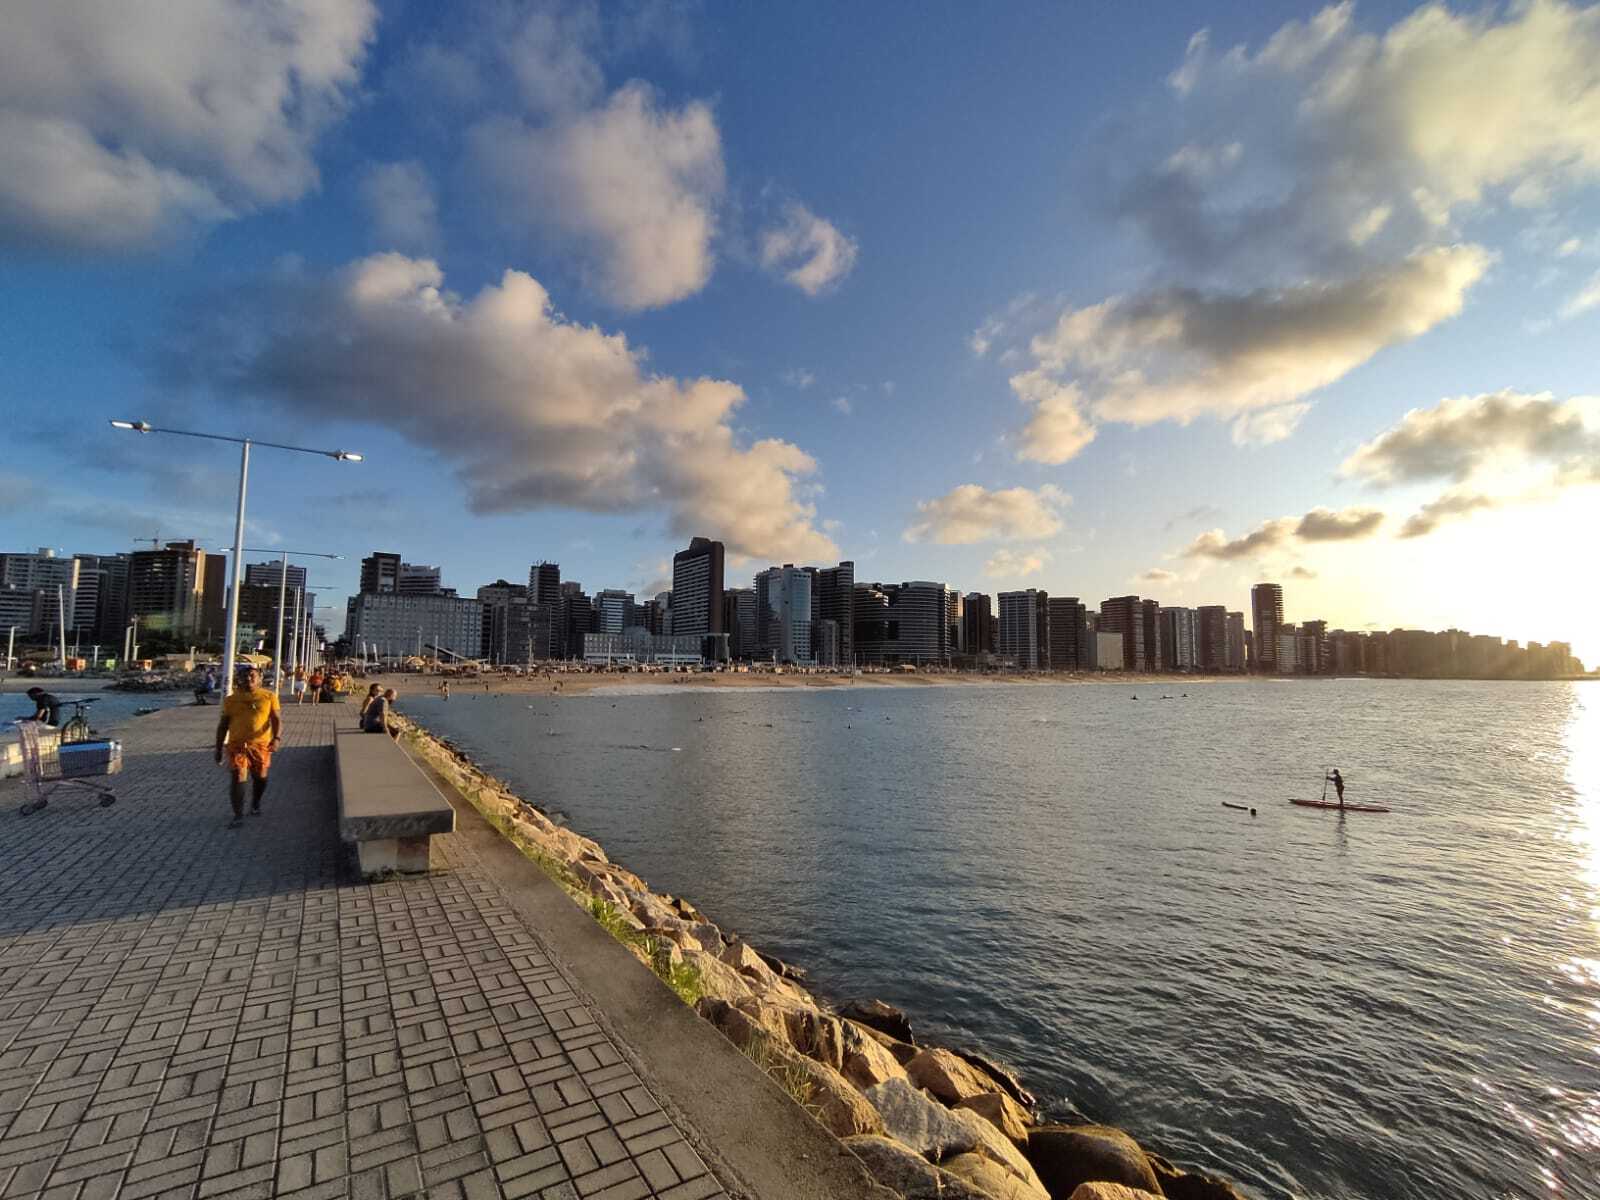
[252,758]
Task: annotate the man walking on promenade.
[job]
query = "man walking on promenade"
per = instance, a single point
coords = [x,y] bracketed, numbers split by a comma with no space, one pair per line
[249,732]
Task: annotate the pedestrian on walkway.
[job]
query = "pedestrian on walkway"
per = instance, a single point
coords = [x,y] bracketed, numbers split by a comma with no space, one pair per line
[316,685]
[299,686]
[250,730]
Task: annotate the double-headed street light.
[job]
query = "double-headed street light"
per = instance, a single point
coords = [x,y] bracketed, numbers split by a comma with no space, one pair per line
[231,639]
[283,579]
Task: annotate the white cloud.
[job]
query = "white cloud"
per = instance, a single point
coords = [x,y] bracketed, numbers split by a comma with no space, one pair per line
[806,250]
[1267,425]
[843,405]
[122,125]
[532,410]
[1057,429]
[1468,436]
[401,205]
[1586,298]
[1159,575]
[799,377]
[1015,564]
[1178,353]
[972,513]
[636,184]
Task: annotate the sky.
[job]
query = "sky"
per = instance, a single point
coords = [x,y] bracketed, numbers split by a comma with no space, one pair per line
[1105,299]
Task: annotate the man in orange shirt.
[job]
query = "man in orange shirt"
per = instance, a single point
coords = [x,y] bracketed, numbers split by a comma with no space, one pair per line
[249,732]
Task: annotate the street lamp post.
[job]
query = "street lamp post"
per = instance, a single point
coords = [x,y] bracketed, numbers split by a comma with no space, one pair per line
[231,637]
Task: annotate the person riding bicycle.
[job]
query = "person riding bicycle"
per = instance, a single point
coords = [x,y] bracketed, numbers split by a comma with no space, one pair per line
[47,707]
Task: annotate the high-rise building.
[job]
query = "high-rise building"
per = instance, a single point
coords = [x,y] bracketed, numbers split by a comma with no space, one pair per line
[44,572]
[697,589]
[613,611]
[1266,618]
[833,598]
[653,615]
[166,589]
[1179,637]
[1211,637]
[1126,615]
[1316,651]
[739,621]
[544,589]
[1150,614]
[516,630]
[787,592]
[418,580]
[1024,615]
[577,617]
[1069,637]
[265,574]
[1237,643]
[977,635]
[380,573]
[902,623]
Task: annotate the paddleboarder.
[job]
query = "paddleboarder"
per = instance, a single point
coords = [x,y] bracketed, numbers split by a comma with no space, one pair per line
[1338,784]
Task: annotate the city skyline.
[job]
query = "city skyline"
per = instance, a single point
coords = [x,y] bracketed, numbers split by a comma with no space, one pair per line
[1180,301]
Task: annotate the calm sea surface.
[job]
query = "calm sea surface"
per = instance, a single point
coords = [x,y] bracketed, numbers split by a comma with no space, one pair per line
[1403,1005]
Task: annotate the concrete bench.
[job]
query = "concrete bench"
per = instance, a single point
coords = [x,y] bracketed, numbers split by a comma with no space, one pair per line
[387,807]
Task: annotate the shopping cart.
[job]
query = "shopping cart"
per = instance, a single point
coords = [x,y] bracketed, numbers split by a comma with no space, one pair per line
[48,765]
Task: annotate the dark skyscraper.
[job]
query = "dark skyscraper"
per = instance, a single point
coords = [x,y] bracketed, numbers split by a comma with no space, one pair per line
[978,624]
[1125,615]
[1266,618]
[544,589]
[380,572]
[1068,634]
[697,589]
[833,598]
[1211,638]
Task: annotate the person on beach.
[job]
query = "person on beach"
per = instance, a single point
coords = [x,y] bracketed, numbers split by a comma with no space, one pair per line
[1338,785]
[299,685]
[374,692]
[444,689]
[46,707]
[250,730]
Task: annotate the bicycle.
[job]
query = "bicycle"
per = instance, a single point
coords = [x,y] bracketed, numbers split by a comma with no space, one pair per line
[76,728]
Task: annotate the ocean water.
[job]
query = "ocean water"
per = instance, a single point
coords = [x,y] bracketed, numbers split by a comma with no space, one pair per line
[110,712]
[1400,1005]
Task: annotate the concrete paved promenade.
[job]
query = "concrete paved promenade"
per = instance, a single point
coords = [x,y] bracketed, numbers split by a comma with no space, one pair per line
[192,1011]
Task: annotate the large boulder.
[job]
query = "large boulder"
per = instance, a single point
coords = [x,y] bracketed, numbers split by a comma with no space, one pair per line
[828,1096]
[816,1035]
[990,1178]
[1067,1155]
[1191,1185]
[1001,1111]
[902,1170]
[994,1145]
[1110,1191]
[1003,1075]
[875,1014]
[925,1125]
[947,1076]
[867,1062]
[717,979]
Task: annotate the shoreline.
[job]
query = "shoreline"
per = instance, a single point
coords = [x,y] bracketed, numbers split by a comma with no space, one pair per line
[923,1118]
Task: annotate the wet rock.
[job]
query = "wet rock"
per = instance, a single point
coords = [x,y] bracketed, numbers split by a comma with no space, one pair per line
[783,969]
[875,1014]
[1065,1156]
[902,1170]
[990,1178]
[947,1076]
[1002,1075]
[923,1124]
[1001,1111]
[1191,1185]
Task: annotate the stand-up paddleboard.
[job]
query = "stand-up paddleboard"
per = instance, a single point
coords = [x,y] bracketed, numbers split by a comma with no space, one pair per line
[1240,807]
[1334,804]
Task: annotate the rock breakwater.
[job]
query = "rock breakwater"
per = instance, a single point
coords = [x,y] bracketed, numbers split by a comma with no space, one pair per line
[927,1121]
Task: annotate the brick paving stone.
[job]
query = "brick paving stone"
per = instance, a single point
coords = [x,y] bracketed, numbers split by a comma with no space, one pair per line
[192,1011]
